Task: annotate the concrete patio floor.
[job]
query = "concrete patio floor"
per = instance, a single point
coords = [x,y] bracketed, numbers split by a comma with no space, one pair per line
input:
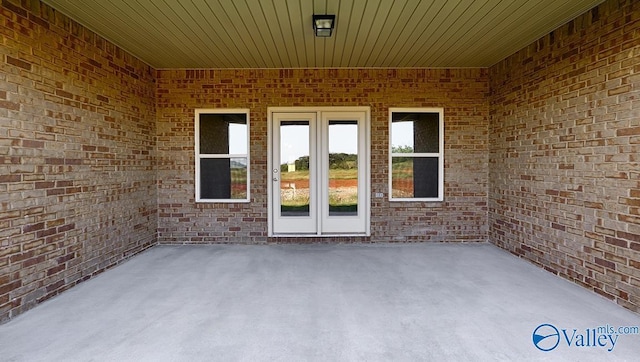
[457,302]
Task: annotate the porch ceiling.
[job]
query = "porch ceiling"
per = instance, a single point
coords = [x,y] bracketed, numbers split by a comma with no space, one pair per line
[279,34]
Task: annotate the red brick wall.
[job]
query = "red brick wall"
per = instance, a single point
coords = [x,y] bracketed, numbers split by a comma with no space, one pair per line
[565,152]
[462,92]
[77,178]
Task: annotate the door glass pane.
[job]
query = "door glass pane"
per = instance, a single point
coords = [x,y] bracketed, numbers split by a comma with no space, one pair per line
[294,168]
[343,168]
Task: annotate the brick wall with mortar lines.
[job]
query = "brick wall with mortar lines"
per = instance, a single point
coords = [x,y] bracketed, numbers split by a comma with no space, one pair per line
[462,92]
[565,152]
[77,177]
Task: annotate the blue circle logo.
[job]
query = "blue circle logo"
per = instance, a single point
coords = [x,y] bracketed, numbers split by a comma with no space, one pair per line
[546,337]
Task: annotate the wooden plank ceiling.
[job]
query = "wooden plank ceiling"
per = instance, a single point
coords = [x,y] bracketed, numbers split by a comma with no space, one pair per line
[279,34]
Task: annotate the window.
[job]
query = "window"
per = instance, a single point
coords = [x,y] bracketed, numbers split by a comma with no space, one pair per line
[416,167]
[222,155]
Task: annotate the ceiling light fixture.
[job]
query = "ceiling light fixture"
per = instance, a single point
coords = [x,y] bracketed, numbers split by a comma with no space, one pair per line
[323,25]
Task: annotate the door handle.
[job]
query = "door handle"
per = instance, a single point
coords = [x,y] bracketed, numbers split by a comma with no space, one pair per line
[275,179]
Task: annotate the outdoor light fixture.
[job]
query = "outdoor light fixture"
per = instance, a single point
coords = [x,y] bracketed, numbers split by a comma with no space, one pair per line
[323,25]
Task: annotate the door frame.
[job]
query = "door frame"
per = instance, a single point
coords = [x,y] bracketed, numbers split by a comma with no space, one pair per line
[367,163]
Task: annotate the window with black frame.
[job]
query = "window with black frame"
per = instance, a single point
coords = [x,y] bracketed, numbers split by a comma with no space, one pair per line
[416,164]
[222,155]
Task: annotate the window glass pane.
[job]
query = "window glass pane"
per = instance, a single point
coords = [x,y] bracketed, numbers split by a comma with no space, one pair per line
[415,132]
[223,178]
[294,168]
[238,138]
[343,168]
[402,136]
[223,133]
[414,177]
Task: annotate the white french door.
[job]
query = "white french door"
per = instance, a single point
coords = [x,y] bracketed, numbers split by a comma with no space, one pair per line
[319,172]
[294,189]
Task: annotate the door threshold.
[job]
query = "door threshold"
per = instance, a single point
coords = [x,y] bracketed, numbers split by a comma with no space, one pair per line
[318,235]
